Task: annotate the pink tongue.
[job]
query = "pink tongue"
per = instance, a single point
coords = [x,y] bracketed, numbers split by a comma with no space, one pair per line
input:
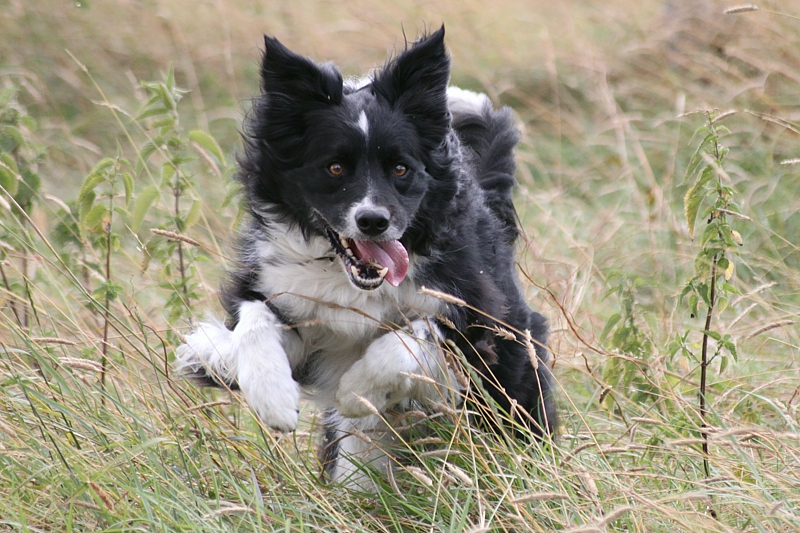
[390,254]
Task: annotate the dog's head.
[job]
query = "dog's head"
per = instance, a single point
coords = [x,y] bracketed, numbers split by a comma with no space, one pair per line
[356,162]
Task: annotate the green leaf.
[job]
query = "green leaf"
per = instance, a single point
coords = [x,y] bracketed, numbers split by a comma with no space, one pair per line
[717,336]
[104,163]
[165,124]
[193,215]
[9,174]
[91,181]
[694,197]
[693,301]
[154,111]
[610,323]
[146,151]
[127,181]
[97,218]
[723,364]
[233,190]
[208,143]
[85,204]
[142,205]
[167,173]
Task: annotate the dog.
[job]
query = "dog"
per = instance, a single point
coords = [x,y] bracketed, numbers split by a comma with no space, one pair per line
[379,246]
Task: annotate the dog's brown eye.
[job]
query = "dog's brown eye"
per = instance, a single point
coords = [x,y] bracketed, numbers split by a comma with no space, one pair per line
[400,171]
[336,169]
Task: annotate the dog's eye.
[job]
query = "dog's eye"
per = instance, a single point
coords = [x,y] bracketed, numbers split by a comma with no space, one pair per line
[336,169]
[400,170]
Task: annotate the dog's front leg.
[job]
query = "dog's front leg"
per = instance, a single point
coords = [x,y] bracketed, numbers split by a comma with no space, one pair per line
[252,356]
[399,365]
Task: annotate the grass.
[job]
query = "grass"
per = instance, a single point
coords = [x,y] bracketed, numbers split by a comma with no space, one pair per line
[608,99]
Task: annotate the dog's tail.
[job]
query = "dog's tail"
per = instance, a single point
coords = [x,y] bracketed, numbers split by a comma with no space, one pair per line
[490,135]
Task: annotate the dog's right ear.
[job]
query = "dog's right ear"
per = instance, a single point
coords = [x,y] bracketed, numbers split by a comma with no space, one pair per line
[296,78]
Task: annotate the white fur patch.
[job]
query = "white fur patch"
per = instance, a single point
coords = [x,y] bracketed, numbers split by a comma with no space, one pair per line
[463,102]
[262,367]
[361,442]
[255,355]
[398,366]
[208,347]
[363,123]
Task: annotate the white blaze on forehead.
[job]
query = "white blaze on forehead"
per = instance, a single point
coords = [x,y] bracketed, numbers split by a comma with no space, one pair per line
[363,123]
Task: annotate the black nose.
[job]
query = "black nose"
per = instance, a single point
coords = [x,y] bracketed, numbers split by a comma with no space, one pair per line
[372,220]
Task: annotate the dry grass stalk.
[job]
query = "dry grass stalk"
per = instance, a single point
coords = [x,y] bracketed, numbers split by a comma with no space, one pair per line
[723,116]
[779,324]
[52,340]
[103,495]
[441,453]
[79,363]
[740,9]
[227,510]
[420,475]
[175,236]
[531,349]
[368,405]
[419,377]
[504,333]
[443,296]
[8,430]
[208,404]
[644,420]
[460,474]
[684,442]
[360,435]
[539,496]
[736,215]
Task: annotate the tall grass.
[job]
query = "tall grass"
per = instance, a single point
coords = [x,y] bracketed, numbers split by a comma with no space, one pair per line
[608,99]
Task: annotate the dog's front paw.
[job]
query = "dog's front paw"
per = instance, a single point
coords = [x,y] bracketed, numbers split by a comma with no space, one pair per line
[275,402]
[369,386]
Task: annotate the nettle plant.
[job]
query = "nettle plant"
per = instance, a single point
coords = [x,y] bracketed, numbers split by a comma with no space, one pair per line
[97,204]
[169,151]
[711,198]
[19,190]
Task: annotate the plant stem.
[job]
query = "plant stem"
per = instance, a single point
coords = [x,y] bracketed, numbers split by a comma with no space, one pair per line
[11,301]
[106,311]
[180,244]
[704,373]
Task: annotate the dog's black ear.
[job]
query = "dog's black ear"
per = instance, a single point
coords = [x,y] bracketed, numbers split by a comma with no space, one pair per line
[416,82]
[296,78]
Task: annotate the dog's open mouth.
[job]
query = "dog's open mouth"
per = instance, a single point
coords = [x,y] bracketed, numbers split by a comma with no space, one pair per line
[368,263]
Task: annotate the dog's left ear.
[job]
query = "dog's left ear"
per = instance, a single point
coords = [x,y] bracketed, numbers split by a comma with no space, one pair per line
[416,83]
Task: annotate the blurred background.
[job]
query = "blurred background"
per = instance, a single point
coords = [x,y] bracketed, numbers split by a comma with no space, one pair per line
[600,90]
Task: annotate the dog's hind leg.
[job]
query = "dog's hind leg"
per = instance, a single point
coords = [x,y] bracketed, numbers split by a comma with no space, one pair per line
[351,446]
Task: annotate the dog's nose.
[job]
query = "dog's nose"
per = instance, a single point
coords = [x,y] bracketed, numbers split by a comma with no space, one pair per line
[373,220]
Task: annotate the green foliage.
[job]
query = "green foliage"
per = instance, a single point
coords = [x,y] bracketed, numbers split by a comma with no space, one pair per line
[19,154]
[626,371]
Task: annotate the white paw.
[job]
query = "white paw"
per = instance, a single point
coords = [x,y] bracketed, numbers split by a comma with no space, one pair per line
[367,387]
[276,402]
[205,354]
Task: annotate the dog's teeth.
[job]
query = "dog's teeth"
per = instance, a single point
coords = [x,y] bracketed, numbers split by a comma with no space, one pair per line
[354,270]
[344,242]
[349,252]
[382,272]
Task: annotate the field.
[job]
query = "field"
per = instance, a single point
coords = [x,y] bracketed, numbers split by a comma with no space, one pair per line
[659,196]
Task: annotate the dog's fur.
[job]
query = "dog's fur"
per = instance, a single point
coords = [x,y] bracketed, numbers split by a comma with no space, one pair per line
[342,178]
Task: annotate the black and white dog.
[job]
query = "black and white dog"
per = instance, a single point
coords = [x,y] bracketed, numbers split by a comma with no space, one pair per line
[360,194]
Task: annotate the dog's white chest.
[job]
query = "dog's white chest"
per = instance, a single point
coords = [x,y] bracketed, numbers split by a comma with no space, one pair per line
[310,286]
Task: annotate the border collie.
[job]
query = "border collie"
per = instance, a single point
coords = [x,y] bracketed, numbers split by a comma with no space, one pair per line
[367,201]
